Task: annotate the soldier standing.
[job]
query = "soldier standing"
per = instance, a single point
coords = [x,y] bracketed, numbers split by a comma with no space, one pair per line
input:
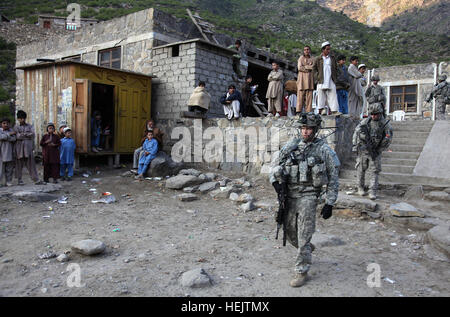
[441,92]
[307,166]
[372,136]
[375,94]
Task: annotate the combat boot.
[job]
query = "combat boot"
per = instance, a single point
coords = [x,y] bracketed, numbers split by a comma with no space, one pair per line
[298,280]
[361,191]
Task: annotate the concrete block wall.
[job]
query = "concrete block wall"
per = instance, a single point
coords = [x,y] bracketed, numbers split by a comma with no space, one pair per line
[176,78]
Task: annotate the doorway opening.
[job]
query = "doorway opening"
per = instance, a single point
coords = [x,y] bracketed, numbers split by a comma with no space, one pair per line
[259,75]
[103,108]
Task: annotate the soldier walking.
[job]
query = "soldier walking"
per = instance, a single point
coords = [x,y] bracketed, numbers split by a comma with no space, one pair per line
[375,94]
[307,166]
[441,92]
[372,136]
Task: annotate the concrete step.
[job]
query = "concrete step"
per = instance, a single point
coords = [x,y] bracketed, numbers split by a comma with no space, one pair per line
[406,148]
[401,155]
[411,128]
[398,178]
[410,141]
[407,134]
[387,168]
[395,161]
[419,123]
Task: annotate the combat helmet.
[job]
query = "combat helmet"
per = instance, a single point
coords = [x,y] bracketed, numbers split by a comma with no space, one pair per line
[311,120]
[442,77]
[375,108]
[375,78]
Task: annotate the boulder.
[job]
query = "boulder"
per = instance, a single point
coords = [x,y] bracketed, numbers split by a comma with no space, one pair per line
[248,206]
[190,189]
[405,210]
[88,247]
[224,192]
[245,198]
[438,196]
[187,197]
[206,187]
[211,176]
[180,181]
[439,237]
[196,278]
[358,203]
[234,196]
[163,165]
[190,171]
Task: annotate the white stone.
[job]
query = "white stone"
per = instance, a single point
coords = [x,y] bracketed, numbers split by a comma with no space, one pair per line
[88,247]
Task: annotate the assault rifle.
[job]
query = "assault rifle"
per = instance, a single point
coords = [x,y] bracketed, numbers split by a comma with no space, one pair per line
[370,147]
[282,210]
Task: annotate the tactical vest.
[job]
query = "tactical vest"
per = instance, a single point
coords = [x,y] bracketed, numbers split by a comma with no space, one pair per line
[305,166]
[375,133]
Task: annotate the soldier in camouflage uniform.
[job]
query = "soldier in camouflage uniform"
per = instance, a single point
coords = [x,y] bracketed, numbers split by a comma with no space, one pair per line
[372,136]
[308,165]
[375,94]
[441,92]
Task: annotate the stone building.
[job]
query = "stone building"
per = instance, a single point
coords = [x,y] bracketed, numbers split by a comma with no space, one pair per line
[407,87]
[55,22]
[155,43]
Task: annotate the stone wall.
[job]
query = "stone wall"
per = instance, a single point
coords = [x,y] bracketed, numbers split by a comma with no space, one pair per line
[265,137]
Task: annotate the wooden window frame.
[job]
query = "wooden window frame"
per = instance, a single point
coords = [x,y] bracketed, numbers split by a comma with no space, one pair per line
[402,98]
[111,60]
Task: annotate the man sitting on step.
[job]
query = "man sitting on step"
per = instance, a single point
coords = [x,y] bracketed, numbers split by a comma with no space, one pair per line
[372,136]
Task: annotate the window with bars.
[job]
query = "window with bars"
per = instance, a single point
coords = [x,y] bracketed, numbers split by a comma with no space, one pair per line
[110,58]
[403,98]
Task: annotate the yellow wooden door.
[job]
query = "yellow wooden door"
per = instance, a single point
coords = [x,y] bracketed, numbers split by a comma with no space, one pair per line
[81,129]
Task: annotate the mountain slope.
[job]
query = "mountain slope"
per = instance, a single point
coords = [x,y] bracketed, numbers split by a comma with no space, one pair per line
[284,25]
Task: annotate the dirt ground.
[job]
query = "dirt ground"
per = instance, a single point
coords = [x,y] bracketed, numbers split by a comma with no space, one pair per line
[152,238]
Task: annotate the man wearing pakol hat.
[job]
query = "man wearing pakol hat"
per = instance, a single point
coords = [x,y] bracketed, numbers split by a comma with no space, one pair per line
[325,71]
[375,94]
[441,91]
[67,155]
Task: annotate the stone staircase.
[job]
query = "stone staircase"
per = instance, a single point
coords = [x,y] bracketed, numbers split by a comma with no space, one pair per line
[399,160]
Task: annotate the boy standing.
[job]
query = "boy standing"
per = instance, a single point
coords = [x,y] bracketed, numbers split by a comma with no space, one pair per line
[7,139]
[50,143]
[67,155]
[24,147]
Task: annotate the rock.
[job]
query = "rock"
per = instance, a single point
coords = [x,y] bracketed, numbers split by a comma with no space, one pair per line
[414,192]
[7,260]
[190,189]
[405,210]
[127,174]
[248,206]
[190,171]
[224,182]
[439,237]
[163,165]
[181,181]
[224,192]
[47,255]
[358,203]
[326,240]
[438,196]
[62,258]
[374,215]
[239,181]
[203,177]
[211,176]
[246,185]
[187,197]
[33,196]
[434,254]
[234,196]
[206,187]
[447,190]
[88,247]
[196,278]
[266,204]
[244,198]
[346,212]
[415,223]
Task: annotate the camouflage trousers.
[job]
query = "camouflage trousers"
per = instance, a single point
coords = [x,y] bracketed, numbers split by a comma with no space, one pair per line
[365,162]
[300,225]
[440,110]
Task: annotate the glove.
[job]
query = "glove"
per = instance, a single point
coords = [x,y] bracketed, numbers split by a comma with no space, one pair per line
[277,187]
[326,211]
